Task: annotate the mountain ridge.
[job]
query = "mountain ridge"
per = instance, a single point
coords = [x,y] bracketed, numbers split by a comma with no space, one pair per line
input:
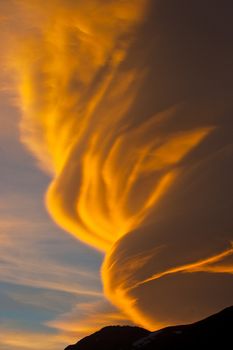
[214,331]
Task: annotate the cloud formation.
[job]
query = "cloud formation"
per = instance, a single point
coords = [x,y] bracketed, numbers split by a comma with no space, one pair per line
[127,104]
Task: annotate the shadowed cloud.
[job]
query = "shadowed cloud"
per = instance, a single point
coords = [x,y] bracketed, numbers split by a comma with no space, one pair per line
[128,106]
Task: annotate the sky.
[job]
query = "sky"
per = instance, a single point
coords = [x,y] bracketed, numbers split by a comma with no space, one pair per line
[116,166]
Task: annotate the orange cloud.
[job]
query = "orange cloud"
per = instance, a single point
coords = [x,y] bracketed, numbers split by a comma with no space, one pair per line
[86,318]
[113,159]
[19,339]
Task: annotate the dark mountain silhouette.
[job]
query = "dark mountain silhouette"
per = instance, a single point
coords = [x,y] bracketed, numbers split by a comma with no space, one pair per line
[215,331]
[111,338]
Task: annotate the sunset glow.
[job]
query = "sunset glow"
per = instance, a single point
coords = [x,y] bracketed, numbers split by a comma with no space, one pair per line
[125,174]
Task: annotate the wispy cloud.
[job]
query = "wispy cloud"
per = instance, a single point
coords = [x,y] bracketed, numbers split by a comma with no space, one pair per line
[24,262]
[86,318]
[22,340]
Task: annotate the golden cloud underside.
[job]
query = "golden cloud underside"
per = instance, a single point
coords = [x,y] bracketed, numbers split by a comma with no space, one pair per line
[75,92]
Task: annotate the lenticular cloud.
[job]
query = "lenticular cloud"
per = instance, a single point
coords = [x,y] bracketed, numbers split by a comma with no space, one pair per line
[131,130]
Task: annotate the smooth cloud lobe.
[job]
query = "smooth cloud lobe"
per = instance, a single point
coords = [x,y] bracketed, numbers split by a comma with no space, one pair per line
[126,139]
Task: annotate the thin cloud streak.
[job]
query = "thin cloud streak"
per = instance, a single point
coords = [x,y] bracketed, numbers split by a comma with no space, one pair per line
[25,266]
[22,340]
[85,318]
